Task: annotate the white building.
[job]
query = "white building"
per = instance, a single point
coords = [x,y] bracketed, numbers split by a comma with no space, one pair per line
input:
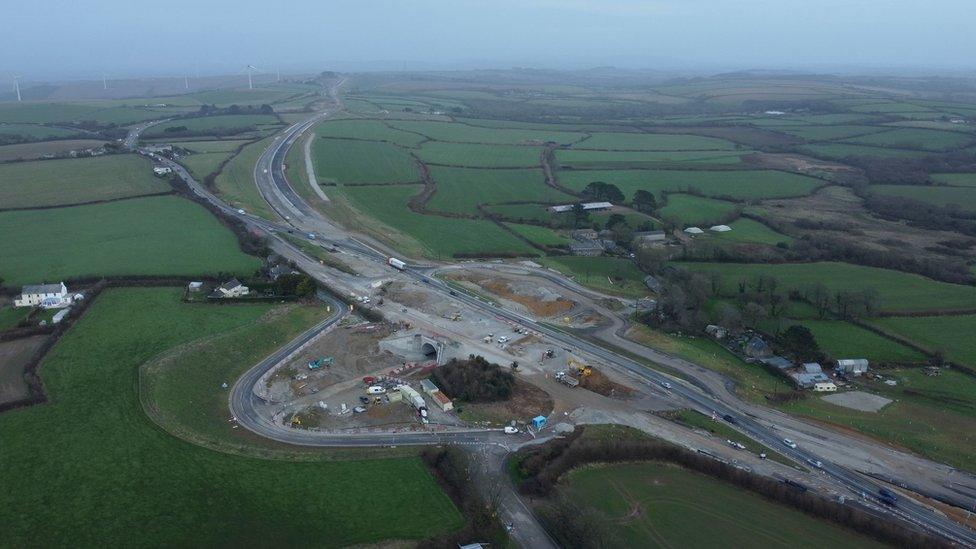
[233,288]
[162,170]
[587,206]
[824,387]
[720,228]
[49,296]
[853,366]
[194,286]
[694,230]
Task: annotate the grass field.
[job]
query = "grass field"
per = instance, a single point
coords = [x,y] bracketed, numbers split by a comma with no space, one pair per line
[463,133]
[594,159]
[950,334]
[352,161]
[751,231]
[373,130]
[50,113]
[661,505]
[223,145]
[752,381]
[956,179]
[839,151]
[40,149]
[932,416]
[236,185]
[652,142]
[897,291]
[911,138]
[462,189]
[10,316]
[37,132]
[117,479]
[695,210]
[829,133]
[440,237]
[203,164]
[938,195]
[74,180]
[841,339]
[219,125]
[164,235]
[536,212]
[478,156]
[628,280]
[543,236]
[738,184]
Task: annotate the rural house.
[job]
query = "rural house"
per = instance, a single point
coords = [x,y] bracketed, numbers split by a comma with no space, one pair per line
[232,288]
[49,296]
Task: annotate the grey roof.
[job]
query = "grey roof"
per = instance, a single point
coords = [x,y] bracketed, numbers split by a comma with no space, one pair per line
[808,380]
[41,289]
[812,368]
[652,283]
[230,284]
[777,362]
[585,245]
[428,385]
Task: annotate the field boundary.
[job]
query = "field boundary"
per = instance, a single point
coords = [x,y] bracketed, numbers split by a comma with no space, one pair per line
[89,203]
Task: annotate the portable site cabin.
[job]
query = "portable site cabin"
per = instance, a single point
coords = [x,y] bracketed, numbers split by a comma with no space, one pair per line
[538,422]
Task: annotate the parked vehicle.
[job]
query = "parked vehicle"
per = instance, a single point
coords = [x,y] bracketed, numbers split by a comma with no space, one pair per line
[376,390]
[359,409]
[509,430]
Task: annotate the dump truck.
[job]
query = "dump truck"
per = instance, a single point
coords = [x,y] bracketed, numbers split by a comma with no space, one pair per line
[582,370]
[566,379]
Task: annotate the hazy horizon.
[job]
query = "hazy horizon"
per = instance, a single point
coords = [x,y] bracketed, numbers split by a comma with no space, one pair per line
[70,41]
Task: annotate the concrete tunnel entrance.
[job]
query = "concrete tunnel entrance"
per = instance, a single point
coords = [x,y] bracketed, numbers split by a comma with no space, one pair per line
[429,351]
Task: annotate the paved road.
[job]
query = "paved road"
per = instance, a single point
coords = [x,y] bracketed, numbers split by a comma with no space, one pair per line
[270,177]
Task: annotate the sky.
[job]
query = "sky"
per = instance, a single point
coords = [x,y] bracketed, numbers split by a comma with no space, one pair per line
[72,39]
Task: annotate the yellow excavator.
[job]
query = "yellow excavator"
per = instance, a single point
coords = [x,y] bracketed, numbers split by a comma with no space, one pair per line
[582,370]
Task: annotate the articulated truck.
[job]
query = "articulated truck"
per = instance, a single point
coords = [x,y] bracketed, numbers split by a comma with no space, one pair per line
[396,263]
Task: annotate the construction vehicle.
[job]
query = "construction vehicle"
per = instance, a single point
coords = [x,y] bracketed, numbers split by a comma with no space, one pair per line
[566,379]
[456,317]
[582,369]
[319,362]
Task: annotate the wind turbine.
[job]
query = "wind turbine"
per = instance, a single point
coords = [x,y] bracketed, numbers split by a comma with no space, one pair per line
[186,82]
[250,83]
[278,69]
[104,81]
[17,78]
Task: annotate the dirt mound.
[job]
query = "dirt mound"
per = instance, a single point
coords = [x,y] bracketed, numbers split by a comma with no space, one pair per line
[599,383]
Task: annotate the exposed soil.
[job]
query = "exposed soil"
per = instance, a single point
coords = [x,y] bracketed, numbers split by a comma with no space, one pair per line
[539,305]
[807,165]
[14,355]
[599,383]
[527,402]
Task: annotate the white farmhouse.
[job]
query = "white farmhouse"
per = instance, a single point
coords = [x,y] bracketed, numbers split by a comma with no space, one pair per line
[49,296]
[233,288]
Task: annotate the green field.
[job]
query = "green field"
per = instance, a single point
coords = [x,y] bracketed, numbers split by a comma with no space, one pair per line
[215,125]
[117,479]
[480,156]
[655,504]
[596,272]
[939,195]
[164,235]
[955,179]
[236,185]
[223,145]
[695,210]
[897,291]
[243,97]
[50,113]
[439,237]
[587,159]
[844,340]
[46,149]
[751,231]
[38,132]
[652,142]
[462,189]
[543,236]
[829,133]
[737,184]
[528,212]
[10,316]
[839,151]
[463,133]
[203,164]
[352,162]
[932,416]
[373,130]
[75,180]
[950,334]
[910,138]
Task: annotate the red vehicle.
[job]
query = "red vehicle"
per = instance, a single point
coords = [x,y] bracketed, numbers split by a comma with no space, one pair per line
[369,380]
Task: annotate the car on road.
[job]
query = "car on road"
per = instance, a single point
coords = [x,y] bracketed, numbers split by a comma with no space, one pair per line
[789,443]
[666,385]
[509,430]
[815,462]
[240,212]
[728,418]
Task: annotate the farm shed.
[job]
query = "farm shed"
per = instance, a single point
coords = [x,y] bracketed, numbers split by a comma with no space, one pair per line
[853,366]
[694,230]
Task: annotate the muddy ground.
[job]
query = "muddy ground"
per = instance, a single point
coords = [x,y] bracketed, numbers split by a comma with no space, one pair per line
[13,357]
[527,402]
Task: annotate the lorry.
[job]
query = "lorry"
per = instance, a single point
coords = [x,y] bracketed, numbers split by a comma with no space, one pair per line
[566,379]
[396,263]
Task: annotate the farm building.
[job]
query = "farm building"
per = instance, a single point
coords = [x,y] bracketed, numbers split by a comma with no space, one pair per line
[653,284]
[812,368]
[720,228]
[716,331]
[756,347]
[584,234]
[777,362]
[442,401]
[588,248]
[162,170]
[853,366]
[824,387]
[59,316]
[694,230]
[805,380]
[232,288]
[587,206]
[194,286]
[49,296]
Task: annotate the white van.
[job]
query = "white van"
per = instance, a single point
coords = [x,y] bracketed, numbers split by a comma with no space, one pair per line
[376,390]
